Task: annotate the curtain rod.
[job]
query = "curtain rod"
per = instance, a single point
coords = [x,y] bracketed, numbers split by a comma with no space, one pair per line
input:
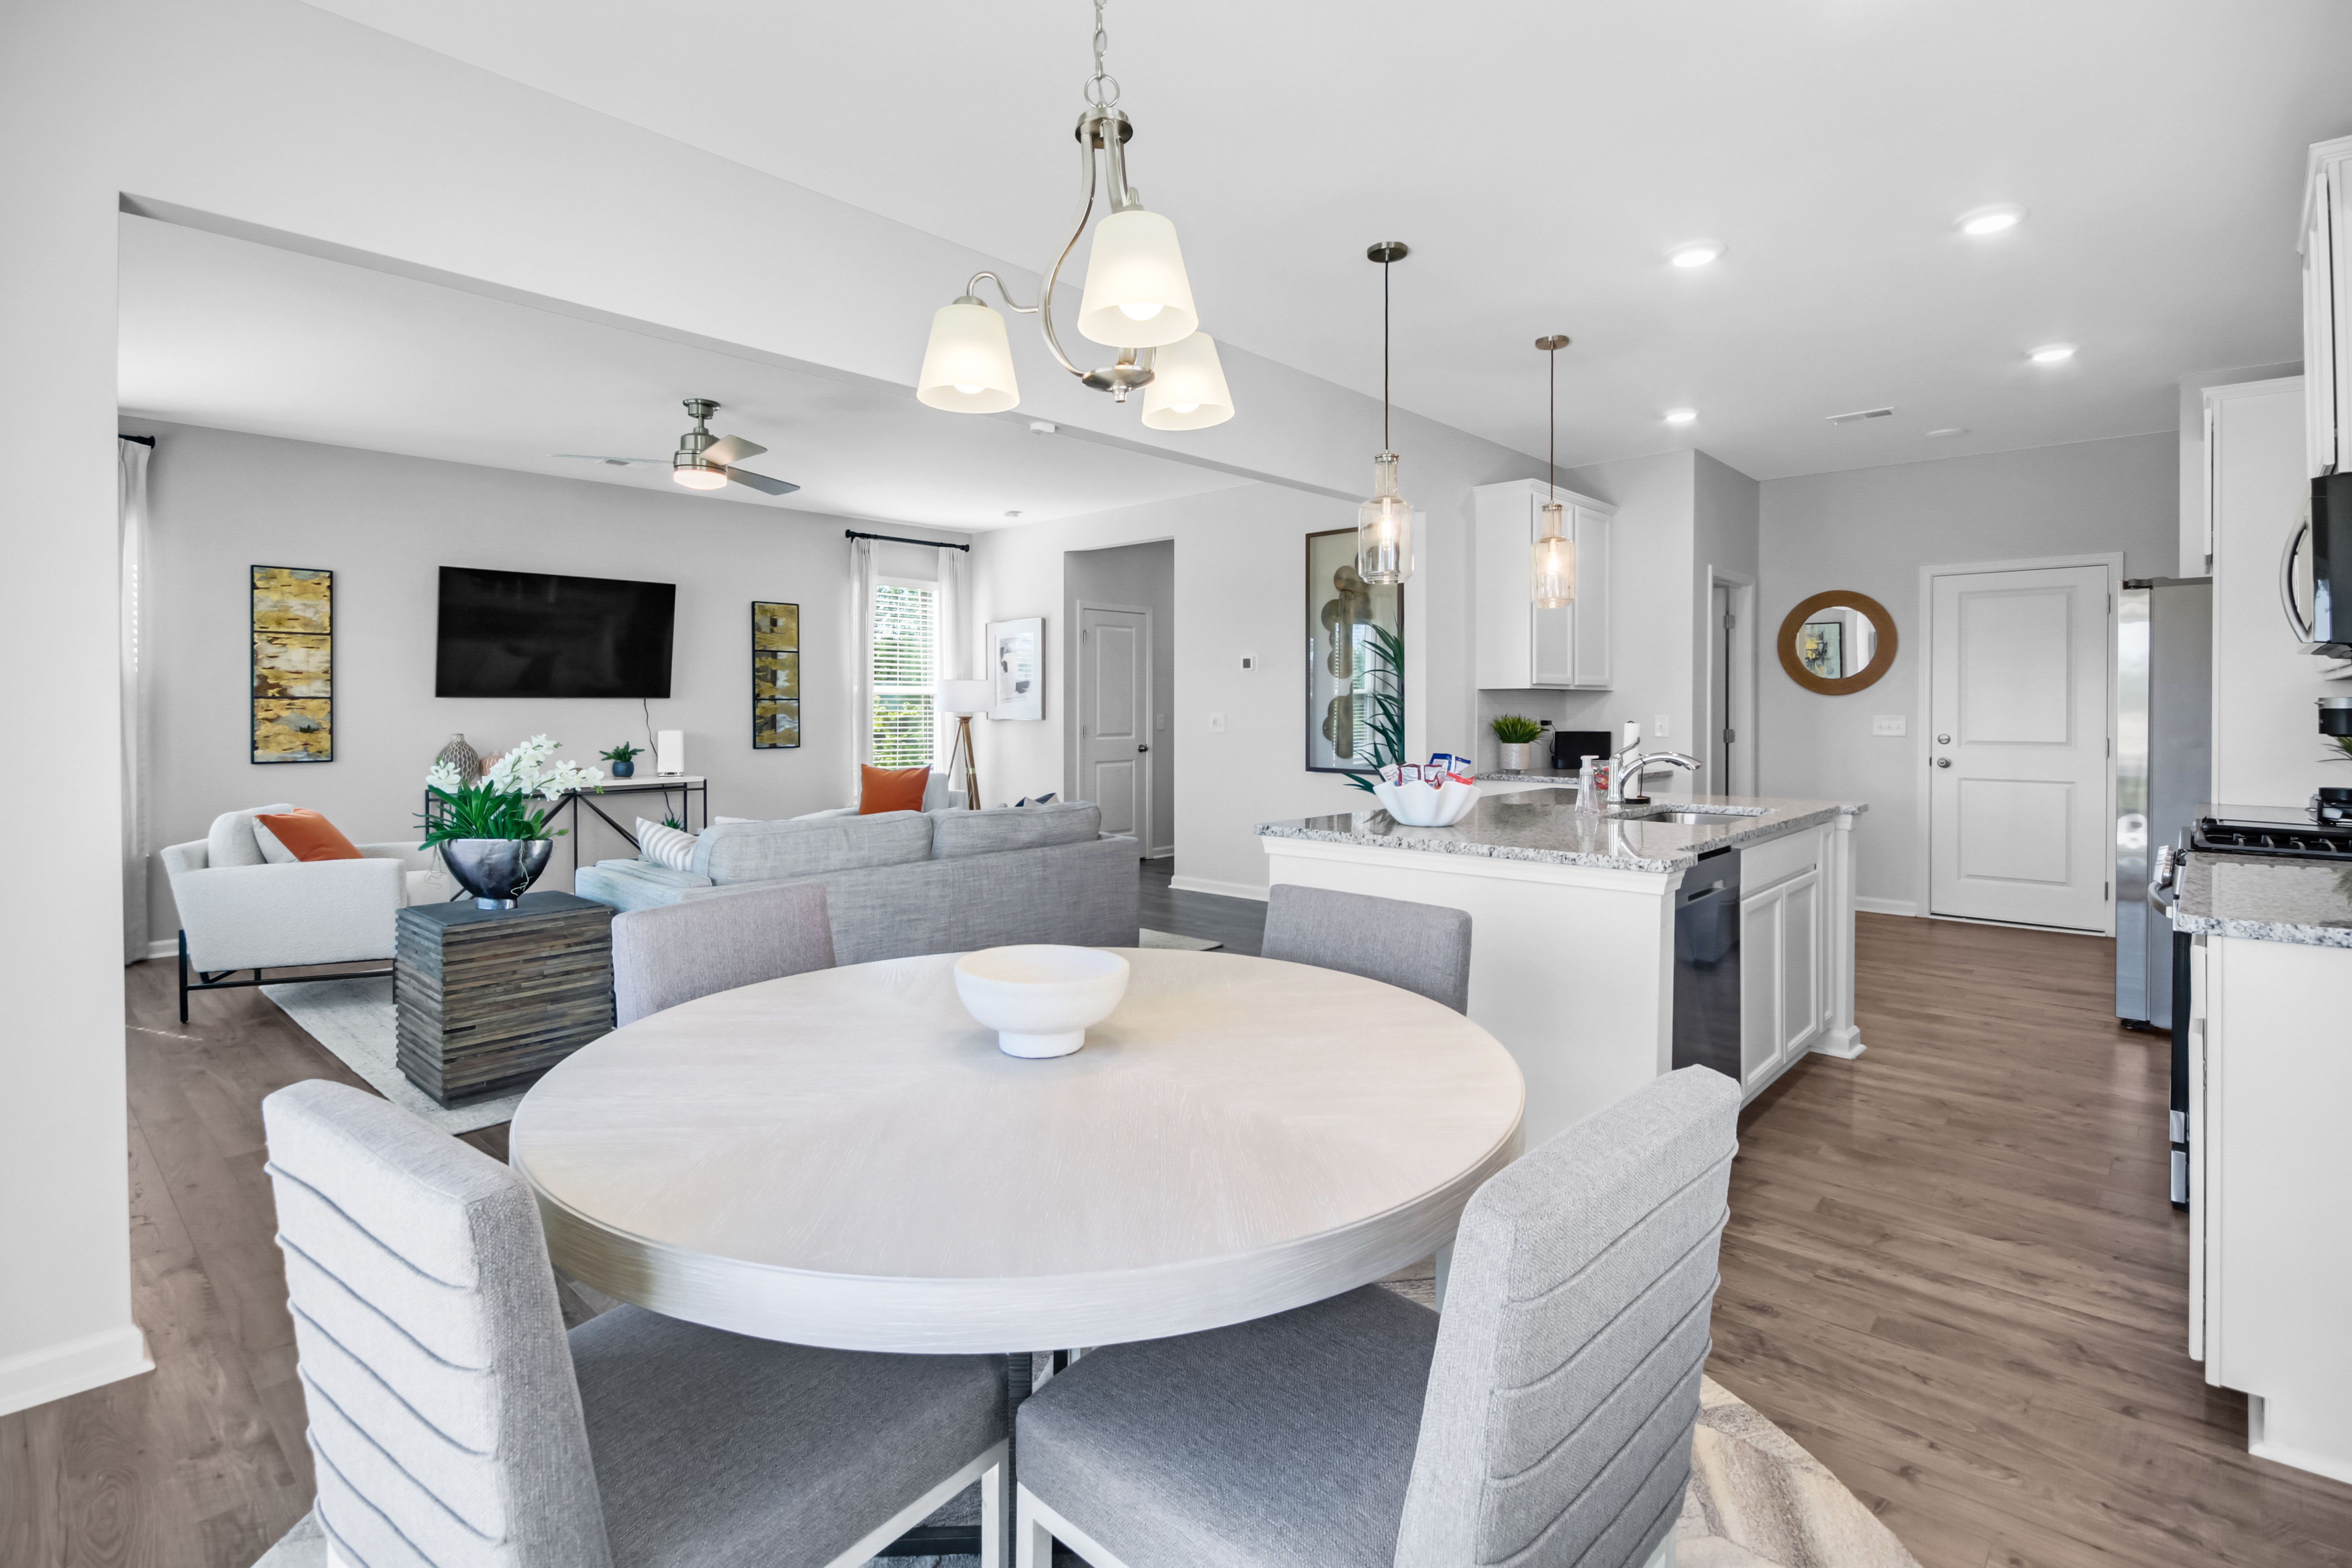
[899,539]
[142,441]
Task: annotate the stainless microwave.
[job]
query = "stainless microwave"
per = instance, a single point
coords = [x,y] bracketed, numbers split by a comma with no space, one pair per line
[2315,573]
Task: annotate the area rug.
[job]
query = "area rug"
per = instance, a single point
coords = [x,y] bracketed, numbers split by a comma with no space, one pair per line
[355,1021]
[1181,943]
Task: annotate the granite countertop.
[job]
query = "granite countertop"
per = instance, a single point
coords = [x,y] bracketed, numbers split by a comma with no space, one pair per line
[1524,775]
[1543,824]
[2306,902]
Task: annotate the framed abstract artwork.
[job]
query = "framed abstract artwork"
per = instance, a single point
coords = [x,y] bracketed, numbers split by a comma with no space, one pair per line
[293,627]
[1355,678]
[776,676]
[1017,666]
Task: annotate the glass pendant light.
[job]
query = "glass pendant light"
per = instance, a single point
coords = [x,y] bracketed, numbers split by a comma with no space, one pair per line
[1551,562]
[1384,524]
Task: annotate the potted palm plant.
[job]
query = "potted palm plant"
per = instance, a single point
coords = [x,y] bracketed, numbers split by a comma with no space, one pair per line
[1517,734]
[624,759]
[492,836]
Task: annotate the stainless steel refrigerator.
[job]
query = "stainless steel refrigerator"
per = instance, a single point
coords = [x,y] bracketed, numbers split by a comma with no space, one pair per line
[2164,770]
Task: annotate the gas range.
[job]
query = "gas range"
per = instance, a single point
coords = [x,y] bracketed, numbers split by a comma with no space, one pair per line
[2239,831]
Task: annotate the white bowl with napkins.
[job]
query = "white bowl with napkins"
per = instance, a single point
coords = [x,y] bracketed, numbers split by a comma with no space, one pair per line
[1041,999]
[1417,805]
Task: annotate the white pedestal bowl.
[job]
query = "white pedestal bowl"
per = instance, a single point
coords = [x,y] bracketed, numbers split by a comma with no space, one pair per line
[1041,999]
[1419,804]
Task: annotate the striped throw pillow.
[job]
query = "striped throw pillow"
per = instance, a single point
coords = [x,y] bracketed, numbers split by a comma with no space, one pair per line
[665,846]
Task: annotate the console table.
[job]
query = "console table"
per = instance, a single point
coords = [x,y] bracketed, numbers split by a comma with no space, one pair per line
[490,999]
[692,789]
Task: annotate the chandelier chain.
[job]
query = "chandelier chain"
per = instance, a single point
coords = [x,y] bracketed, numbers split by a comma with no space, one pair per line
[1102,89]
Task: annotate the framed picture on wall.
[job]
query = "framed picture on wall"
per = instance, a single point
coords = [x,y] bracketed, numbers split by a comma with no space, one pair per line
[293,665]
[1017,665]
[776,676]
[1355,652]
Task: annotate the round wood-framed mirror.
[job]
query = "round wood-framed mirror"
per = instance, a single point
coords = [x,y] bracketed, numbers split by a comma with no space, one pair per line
[1838,642]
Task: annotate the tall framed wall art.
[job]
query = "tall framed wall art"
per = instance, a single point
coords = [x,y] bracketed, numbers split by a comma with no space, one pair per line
[776,676]
[293,691]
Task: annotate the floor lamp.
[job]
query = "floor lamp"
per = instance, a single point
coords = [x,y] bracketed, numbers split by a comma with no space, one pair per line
[962,699]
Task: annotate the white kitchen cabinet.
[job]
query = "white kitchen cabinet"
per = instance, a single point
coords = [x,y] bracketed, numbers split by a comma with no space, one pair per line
[2328,306]
[1521,647]
[1784,984]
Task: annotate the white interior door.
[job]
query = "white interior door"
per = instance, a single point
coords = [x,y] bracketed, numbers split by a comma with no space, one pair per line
[1115,717]
[1718,691]
[2017,753]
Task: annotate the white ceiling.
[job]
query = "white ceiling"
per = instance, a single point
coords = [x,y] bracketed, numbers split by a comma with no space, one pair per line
[224,333]
[1541,156]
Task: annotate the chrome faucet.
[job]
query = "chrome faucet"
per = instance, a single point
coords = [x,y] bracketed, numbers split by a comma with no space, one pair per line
[1626,767]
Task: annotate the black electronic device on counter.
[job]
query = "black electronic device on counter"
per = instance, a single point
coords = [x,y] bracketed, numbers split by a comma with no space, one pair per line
[1571,747]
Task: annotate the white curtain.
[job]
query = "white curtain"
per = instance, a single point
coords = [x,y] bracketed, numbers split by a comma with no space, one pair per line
[956,635]
[861,621]
[130,513]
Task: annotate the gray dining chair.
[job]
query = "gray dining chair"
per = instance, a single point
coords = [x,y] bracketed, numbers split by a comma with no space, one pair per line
[456,1426]
[1545,1418]
[1420,947]
[676,953]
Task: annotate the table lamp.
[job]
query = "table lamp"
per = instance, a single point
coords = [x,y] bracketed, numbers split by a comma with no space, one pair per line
[963,699]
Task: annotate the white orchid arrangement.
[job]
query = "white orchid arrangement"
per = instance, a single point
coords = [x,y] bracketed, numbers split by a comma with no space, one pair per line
[498,805]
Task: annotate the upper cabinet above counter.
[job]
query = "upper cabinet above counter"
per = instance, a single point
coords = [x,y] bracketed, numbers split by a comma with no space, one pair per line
[1521,647]
[2328,306]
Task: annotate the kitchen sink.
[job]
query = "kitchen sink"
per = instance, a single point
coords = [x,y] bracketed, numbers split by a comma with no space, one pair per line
[1694,816]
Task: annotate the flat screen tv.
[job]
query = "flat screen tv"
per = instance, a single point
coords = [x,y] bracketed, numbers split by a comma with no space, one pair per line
[525,634]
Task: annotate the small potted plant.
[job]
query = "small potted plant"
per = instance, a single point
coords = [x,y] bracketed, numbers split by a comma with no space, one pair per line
[619,756]
[491,836]
[1517,734]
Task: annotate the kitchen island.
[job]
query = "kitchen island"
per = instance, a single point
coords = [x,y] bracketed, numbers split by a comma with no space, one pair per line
[1573,925]
[2270,1170]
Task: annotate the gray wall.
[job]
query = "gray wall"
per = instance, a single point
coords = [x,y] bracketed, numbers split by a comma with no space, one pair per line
[1871,530]
[1141,574]
[222,501]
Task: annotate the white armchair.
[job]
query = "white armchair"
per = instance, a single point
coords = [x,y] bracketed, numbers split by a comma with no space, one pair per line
[238,911]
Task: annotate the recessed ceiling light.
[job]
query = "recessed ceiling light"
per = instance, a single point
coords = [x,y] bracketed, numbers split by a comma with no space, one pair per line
[1012,514]
[2052,354]
[1991,220]
[1681,416]
[1948,430]
[1697,253]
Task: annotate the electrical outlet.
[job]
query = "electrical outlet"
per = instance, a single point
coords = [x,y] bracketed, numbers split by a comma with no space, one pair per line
[1890,724]
[1661,732]
[1162,723]
[1216,723]
[1249,662]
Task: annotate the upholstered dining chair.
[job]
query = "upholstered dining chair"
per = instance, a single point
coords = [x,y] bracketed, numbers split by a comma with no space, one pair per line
[455,1422]
[675,952]
[1545,1418]
[1420,947]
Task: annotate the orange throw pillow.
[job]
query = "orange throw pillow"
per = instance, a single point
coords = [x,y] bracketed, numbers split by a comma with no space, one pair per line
[891,789]
[310,837]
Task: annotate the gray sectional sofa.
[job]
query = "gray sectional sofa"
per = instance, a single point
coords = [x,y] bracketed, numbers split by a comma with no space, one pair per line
[898,883]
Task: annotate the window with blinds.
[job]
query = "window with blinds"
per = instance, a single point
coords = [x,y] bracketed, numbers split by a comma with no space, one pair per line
[906,673]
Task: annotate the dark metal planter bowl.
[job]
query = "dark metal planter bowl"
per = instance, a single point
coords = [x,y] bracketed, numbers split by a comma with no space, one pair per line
[497,871]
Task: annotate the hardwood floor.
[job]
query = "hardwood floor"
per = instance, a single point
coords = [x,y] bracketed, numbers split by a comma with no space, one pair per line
[1950,1272]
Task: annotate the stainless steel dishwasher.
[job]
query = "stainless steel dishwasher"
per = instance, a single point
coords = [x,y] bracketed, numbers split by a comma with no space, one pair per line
[1707,965]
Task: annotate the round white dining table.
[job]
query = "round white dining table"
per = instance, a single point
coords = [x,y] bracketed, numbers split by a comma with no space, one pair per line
[844,1157]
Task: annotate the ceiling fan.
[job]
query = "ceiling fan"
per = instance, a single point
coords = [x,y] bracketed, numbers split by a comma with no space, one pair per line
[703,461]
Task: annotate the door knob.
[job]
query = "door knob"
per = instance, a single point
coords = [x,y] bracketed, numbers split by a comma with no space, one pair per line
[1144,748]
[1943,761]
[1943,740]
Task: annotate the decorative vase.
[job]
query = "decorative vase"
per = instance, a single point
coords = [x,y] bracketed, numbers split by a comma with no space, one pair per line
[1515,757]
[622,767]
[497,871]
[462,757]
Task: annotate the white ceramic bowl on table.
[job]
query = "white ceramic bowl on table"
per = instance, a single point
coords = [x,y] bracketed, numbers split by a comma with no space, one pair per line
[1417,805]
[1041,999]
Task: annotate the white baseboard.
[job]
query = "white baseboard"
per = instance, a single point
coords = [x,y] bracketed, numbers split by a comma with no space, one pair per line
[168,948]
[39,1376]
[1163,853]
[1904,907]
[1844,1044]
[1222,890]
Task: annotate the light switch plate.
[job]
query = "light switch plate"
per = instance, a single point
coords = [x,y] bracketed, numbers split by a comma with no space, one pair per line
[1890,724]
[1216,723]
[1249,662]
